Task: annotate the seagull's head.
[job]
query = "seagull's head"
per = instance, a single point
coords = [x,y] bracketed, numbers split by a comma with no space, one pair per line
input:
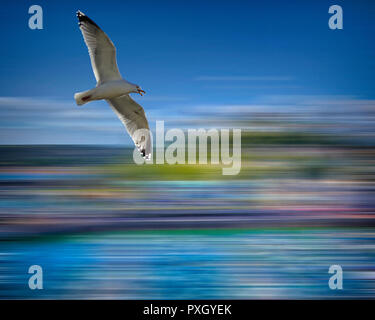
[139,90]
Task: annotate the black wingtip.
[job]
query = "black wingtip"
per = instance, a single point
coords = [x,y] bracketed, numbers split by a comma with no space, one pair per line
[83,18]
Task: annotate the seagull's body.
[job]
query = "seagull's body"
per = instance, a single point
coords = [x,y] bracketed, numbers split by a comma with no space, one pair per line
[111,86]
[105,90]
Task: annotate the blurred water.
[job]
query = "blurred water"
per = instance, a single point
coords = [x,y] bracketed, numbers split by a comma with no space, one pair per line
[105,228]
[184,265]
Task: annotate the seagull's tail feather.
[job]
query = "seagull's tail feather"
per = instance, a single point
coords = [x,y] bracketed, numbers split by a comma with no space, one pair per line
[82,97]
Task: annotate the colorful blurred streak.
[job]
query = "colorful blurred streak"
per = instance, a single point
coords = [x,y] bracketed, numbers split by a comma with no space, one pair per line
[102,227]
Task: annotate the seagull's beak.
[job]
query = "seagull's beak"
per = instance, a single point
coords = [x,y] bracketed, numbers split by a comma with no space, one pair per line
[141,92]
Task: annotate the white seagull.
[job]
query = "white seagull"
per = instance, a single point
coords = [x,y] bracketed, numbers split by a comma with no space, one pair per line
[111,86]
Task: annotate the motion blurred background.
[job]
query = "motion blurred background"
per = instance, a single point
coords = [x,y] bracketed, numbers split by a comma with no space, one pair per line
[73,201]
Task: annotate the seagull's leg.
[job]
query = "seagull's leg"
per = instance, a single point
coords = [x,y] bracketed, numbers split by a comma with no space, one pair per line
[83,97]
[86,98]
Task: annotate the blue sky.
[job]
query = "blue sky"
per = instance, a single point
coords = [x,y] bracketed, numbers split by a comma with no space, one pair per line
[187,55]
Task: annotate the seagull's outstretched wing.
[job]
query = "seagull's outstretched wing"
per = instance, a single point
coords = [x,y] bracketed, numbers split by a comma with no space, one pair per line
[101,49]
[133,117]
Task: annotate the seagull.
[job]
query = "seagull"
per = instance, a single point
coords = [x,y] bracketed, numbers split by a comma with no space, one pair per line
[111,86]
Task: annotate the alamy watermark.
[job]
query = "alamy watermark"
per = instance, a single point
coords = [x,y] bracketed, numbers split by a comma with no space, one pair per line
[336,20]
[336,280]
[183,149]
[36,280]
[36,20]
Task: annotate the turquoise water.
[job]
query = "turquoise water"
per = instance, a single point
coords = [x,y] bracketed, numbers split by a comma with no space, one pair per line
[201,264]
